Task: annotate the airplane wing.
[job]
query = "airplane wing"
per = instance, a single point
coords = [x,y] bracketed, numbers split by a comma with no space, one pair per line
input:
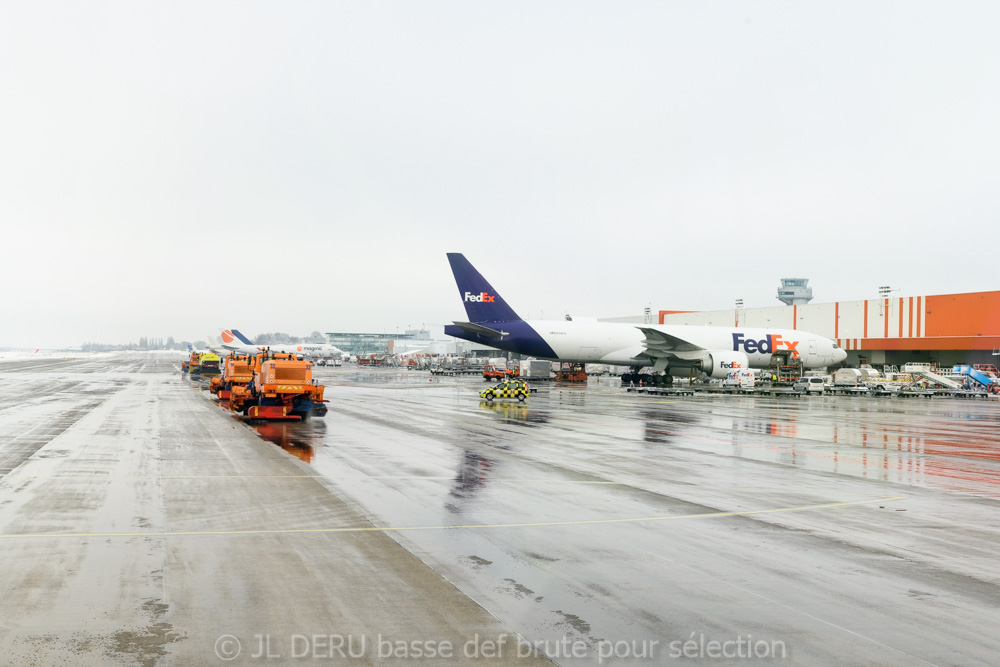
[661,347]
[661,343]
[480,329]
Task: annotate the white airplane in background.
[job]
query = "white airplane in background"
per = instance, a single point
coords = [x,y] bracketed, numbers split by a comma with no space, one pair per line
[233,340]
[676,349]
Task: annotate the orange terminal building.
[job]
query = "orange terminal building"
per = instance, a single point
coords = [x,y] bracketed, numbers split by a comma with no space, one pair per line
[944,328]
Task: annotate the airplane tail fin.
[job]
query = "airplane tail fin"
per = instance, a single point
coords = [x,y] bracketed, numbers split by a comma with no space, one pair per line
[229,335]
[190,347]
[482,303]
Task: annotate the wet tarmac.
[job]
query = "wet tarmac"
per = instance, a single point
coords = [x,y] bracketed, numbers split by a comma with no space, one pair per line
[597,526]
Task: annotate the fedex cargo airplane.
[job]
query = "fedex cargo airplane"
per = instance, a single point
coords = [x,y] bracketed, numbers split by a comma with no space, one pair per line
[675,348]
[233,340]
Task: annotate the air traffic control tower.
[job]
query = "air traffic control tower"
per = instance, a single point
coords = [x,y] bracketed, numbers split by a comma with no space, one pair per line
[795,291]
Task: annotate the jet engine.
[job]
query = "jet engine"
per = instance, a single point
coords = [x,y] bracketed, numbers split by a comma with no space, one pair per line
[721,364]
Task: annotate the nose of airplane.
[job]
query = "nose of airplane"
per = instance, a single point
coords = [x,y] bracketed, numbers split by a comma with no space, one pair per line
[839,355]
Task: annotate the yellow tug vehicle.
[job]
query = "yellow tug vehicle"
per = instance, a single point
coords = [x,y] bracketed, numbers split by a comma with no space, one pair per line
[208,364]
[282,388]
[236,371]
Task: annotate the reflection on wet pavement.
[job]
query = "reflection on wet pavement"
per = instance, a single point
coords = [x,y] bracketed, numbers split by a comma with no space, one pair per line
[515,412]
[473,474]
[298,439]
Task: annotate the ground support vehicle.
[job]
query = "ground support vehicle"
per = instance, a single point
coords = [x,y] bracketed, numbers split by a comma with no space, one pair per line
[740,380]
[236,371]
[979,376]
[282,388]
[492,372]
[930,374]
[456,370]
[784,370]
[535,370]
[203,363]
[191,365]
[571,373]
[508,389]
[810,385]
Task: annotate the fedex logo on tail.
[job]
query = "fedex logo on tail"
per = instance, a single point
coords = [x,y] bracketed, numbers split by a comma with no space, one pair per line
[482,297]
[767,345]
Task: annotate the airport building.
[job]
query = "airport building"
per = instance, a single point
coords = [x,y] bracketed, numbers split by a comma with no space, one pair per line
[944,328]
[366,343]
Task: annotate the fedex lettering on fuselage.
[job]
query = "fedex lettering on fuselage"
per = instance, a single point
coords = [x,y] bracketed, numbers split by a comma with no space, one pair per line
[767,345]
[482,297]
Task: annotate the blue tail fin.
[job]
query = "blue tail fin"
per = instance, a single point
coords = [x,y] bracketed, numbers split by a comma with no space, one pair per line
[482,303]
[243,339]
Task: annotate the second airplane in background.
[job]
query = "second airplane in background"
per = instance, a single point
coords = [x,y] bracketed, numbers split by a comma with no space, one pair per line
[233,340]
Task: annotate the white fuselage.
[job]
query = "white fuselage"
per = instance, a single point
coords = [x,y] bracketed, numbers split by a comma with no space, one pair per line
[622,344]
[307,350]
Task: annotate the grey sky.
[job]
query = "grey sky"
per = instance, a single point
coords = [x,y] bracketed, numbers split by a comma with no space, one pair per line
[169,168]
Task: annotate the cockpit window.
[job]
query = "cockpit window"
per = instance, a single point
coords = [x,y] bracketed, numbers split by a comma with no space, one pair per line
[836,347]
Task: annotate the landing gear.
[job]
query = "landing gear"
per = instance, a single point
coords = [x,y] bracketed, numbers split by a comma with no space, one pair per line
[635,378]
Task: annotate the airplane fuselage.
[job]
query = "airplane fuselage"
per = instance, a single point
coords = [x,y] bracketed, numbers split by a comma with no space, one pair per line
[622,344]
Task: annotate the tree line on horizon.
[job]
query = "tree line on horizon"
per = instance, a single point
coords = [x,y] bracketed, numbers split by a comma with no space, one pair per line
[146,343]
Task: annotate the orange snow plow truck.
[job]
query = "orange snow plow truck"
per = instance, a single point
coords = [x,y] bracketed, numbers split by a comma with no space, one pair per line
[282,388]
[235,371]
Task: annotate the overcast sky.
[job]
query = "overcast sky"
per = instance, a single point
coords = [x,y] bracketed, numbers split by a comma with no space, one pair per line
[168,168]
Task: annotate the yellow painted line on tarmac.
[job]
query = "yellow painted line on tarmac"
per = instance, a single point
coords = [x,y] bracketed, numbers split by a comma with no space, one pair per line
[448,478]
[355,477]
[538,524]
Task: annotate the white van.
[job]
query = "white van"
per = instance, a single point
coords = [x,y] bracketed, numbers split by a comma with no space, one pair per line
[743,379]
[810,385]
